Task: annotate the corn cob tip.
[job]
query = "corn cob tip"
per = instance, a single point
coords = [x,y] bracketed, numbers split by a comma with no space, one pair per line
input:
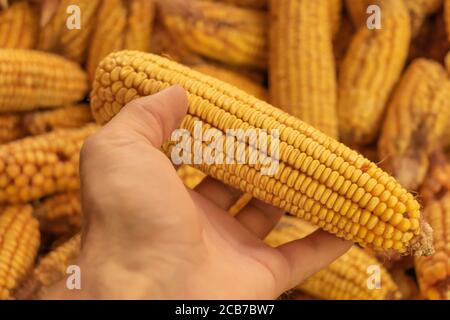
[422,245]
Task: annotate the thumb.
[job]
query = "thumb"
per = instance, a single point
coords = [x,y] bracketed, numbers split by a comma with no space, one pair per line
[152,117]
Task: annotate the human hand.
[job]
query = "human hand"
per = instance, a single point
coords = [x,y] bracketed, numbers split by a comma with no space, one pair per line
[147,236]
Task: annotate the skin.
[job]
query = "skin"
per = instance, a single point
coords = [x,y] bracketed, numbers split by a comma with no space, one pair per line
[147,236]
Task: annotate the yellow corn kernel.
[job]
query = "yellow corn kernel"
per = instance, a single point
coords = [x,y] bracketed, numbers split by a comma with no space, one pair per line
[314,172]
[190,176]
[238,80]
[416,122]
[256,4]
[31,79]
[42,165]
[60,214]
[50,269]
[19,244]
[71,116]
[141,14]
[302,72]
[233,35]
[19,26]
[370,70]
[11,127]
[109,33]
[433,272]
[346,278]
[71,43]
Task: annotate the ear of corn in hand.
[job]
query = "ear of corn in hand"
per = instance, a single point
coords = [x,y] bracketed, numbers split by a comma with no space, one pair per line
[346,278]
[19,244]
[317,179]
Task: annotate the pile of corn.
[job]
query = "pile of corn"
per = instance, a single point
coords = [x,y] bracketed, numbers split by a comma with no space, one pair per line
[363,114]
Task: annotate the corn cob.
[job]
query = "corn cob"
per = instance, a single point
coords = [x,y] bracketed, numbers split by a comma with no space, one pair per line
[31,79]
[109,33]
[19,243]
[11,127]
[405,283]
[234,78]
[438,43]
[419,10]
[342,41]
[165,44]
[50,269]
[346,278]
[55,36]
[60,214]
[335,13]
[370,70]
[357,11]
[256,4]
[139,24]
[38,166]
[302,73]
[18,26]
[229,34]
[416,122]
[447,17]
[433,272]
[71,116]
[317,178]
[190,176]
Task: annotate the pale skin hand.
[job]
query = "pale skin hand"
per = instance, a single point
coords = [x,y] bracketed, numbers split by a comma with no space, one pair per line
[148,237]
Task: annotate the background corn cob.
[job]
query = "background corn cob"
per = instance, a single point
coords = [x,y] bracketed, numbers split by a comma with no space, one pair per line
[42,165]
[60,214]
[165,44]
[419,10]
[416,122]
[190,176]
[71,116]
[50,269]
[237,79]
[317,179]
[11,127]
[370,70]
[257,4]
[19,26]
[433,272]
[357,11]
[342,41]
[335,14]
[141,14]
[345,278]
[109,33]
[302,73]
[31,79]
[19,243]
[55,36]
[222,32]
[447,62]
